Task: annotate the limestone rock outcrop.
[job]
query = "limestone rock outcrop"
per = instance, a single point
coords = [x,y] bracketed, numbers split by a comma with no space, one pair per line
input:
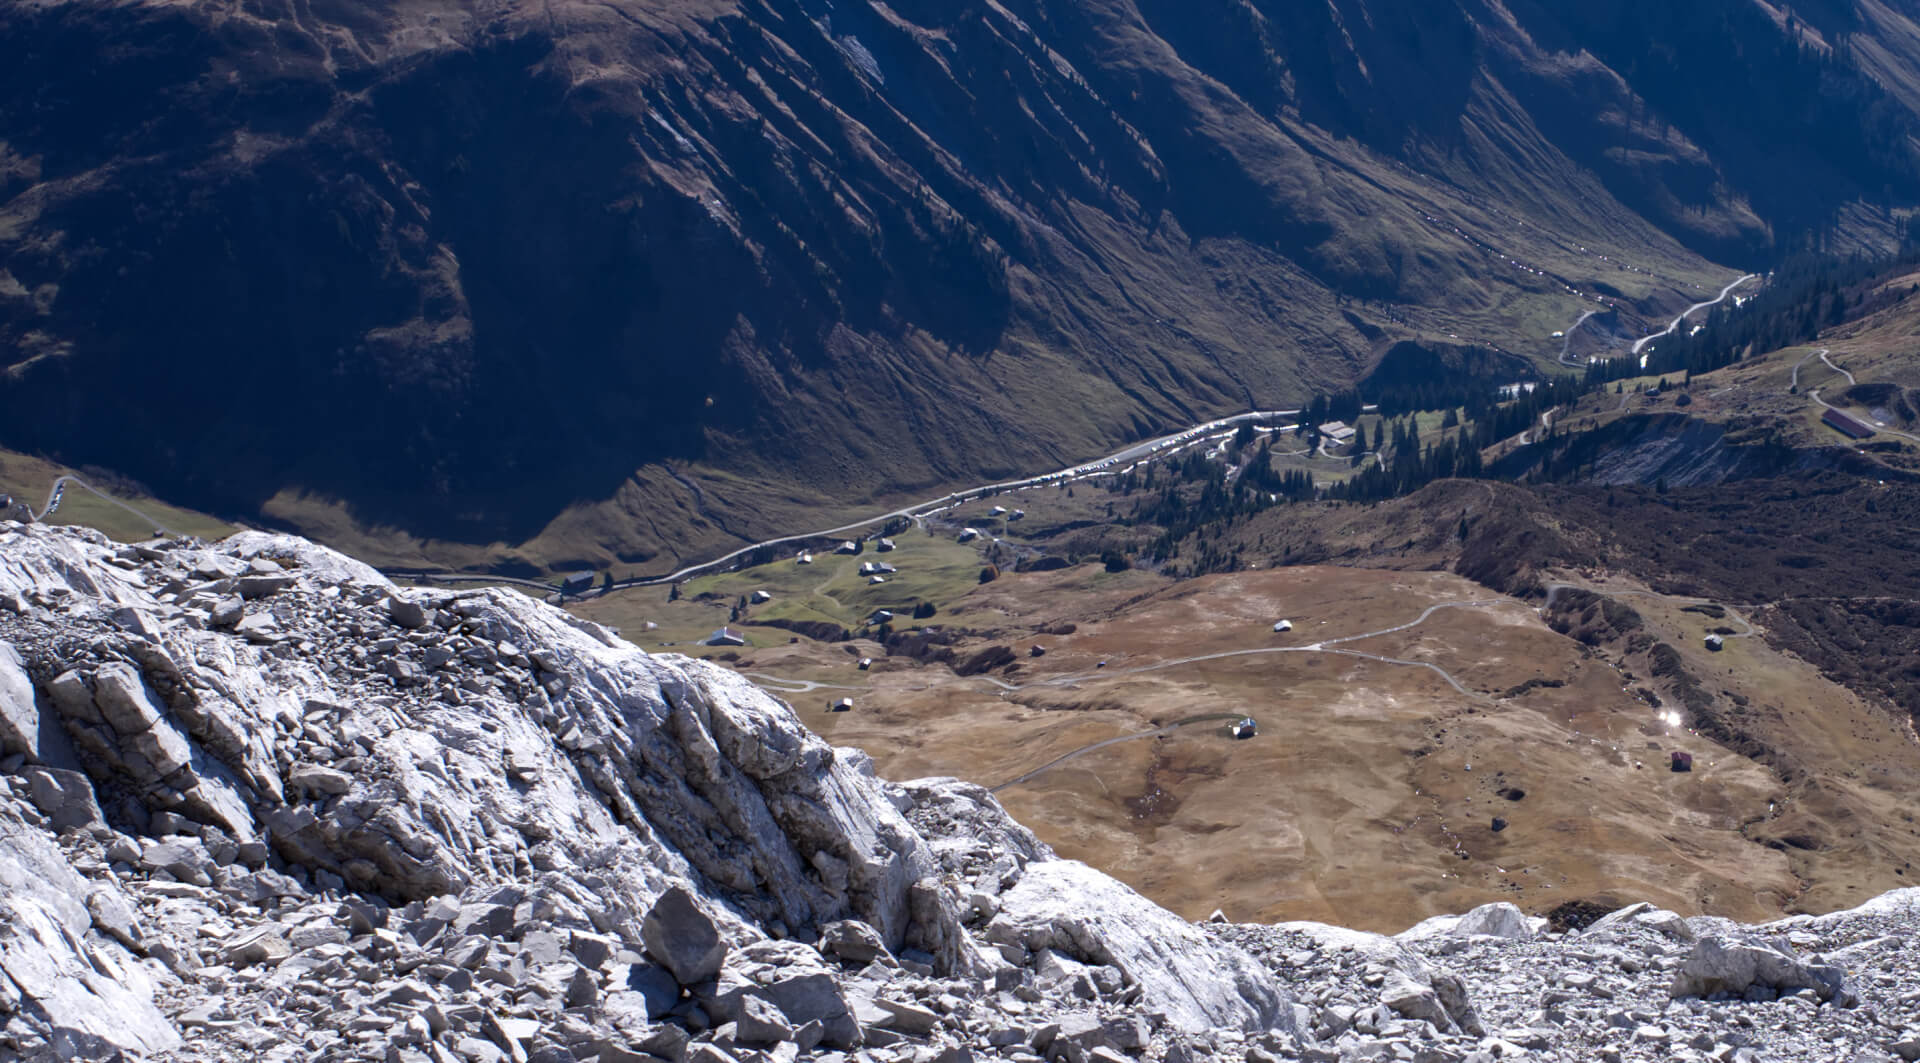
[257,802]
[1069,906]
[1734,968]
[308,774]
[82,998]
[1500,919]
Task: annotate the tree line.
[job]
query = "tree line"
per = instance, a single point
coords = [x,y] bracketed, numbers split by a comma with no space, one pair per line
[1192,499]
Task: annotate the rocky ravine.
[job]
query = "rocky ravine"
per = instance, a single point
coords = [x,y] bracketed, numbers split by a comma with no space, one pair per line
[259,803]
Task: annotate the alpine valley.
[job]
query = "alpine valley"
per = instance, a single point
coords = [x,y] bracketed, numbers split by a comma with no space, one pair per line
[1085,531]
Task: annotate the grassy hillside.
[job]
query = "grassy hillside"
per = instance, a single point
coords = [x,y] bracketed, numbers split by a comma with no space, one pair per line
[120,509]
[626,284]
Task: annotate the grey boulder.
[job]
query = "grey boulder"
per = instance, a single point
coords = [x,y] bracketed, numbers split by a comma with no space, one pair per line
[1197,983]
[1717,966]
[1615,923]
[683,938]
[408,614]
[65,797]
[19,715]
[761,1021]
[816,997]
[853,941]
[656,987]
[1413,1000]
[99,997]
[1499,920]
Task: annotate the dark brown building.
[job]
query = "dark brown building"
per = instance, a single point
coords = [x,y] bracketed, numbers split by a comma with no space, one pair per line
[1845,424]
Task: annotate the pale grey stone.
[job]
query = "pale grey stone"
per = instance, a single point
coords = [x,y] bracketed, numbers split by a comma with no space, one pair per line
[592,950]
[183,856]
[123,699]
[101,997]
[73,697]
[316,779]
[1500,919]
[491,920]
[658,989]
[1414,1000]
[260,629]
[65,797]
[114,917]
[1732,967]
[264,945]
[854,942]
[906,1017]
[261,585]
[817,997]
[1197,983]
[407,613]
[760,1021]
[683,938]
[227,612]
[19,712]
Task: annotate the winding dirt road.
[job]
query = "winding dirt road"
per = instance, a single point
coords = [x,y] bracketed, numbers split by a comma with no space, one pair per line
[1144,451]
[1814,394]
[59,487]
[1566,341]
[1824,351]
[1690,311]
[784,685]
[1808,357]
[1317,647]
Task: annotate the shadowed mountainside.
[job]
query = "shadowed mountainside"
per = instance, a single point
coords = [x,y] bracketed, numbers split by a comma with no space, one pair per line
[477,274]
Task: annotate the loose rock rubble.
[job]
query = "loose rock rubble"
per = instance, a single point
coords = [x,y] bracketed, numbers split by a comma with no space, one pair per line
[1630,987]
[257,803]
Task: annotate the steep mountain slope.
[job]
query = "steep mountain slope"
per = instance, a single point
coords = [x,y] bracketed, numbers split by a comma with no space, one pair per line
[481,275]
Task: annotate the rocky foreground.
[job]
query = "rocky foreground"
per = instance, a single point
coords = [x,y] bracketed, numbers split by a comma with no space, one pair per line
[258,803]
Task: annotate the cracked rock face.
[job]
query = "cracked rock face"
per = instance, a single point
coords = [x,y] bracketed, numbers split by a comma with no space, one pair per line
[257,803]
[89,996]
[1069,906]
[255,777]
[471,763]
